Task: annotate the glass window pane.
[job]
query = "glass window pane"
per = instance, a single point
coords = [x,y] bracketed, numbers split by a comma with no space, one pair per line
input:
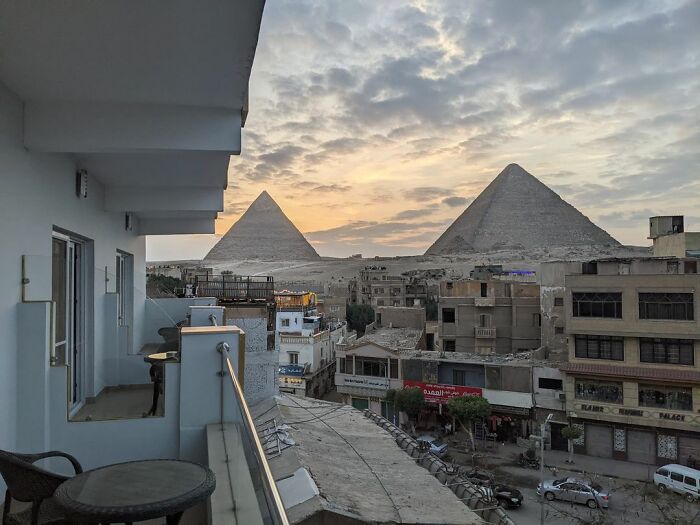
[58,285]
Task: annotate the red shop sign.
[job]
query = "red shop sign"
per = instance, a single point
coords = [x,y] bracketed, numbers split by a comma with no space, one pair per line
[441,393]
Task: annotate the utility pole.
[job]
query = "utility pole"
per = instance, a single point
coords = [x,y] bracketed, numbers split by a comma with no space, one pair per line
[542,433]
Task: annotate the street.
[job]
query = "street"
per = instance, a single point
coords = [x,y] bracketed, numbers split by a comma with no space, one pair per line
[635,502]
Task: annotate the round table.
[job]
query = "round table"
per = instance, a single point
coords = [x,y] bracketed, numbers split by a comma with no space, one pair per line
[135,491]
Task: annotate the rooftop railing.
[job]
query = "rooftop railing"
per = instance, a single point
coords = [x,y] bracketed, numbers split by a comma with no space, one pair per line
[235,288]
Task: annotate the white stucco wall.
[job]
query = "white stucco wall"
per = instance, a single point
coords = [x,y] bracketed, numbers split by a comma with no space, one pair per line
[38,194]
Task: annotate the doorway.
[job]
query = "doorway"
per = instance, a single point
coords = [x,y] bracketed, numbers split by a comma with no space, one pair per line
[68,294]
[125,300]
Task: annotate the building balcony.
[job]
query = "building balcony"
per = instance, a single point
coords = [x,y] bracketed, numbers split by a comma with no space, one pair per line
[201,415]
[484,333]
[484,302]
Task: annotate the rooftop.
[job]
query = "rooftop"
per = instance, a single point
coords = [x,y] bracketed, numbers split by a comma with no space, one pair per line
[394,338]
[328,447]
[519,359]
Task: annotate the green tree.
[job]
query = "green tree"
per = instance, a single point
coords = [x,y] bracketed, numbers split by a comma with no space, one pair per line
[358,317]
[411,401]
[571,433]
[161,285]
[467,410]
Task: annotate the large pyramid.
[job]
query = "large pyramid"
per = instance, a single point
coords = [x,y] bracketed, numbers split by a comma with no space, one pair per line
[517,211]
[262,233]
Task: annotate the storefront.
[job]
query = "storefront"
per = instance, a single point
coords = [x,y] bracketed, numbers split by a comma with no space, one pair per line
[436,396]
[291,379]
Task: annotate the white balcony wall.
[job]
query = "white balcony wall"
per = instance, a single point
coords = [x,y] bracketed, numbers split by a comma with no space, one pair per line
[37,195]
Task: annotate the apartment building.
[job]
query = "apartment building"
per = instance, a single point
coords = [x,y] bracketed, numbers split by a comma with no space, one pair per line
[633,376]
[377,288]
[488,316]
[307,344]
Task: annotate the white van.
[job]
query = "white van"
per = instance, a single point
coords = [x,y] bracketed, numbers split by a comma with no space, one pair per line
[680,479]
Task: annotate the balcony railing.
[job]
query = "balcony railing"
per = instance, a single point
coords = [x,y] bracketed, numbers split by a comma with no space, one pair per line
[484,301]
[247,487]
[484,333]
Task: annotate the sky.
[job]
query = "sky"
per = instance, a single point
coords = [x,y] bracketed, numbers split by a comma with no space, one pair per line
[374,124]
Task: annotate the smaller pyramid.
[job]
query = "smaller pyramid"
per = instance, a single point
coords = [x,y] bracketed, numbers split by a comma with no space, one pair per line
[263,232]
[517,211]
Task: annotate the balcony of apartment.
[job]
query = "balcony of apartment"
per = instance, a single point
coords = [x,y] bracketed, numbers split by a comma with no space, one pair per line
[228,288]
[481,332]
[484,302]
[199,414]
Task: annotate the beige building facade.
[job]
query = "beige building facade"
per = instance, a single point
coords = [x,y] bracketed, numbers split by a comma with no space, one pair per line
[633,377]
[488,316]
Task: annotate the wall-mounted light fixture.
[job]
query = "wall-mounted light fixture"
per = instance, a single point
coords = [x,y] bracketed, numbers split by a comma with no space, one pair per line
[128,222]
[81,184]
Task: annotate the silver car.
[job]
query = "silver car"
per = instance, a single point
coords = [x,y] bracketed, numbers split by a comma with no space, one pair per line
[576,490]
[435,445]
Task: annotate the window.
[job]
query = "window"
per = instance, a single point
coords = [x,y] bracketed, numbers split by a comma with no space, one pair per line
[672,267]
[597,304]
[690,267]
[341,365]
[605,391]
[448,285]
[285,322]
[558,301]
[599,347]
[448,345]
[484,290]
[394,368]
[690,481]
[370,366]
[293,358]
[676,477]
[379,290]
[667,351]
[125,288]
[448,315]
[348,366]
[669,397]
[484,320]
[669,305]
[558,329]
[662,472]
[589,268]
[536,320]
[380,302]
[459,377]
[550,383]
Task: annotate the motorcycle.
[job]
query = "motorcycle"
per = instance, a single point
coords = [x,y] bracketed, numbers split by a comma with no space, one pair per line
[528,462]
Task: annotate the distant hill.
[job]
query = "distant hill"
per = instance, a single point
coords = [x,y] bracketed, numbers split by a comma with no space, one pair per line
[263,232]
[518,212]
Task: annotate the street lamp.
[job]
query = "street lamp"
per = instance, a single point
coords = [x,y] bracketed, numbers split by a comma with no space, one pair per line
[542,433]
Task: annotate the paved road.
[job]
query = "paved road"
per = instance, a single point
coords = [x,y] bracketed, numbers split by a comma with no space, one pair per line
[631,502]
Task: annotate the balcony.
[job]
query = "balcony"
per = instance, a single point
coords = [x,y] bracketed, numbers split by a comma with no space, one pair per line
[484,302]
[234,288]
[484,333]
[201,416]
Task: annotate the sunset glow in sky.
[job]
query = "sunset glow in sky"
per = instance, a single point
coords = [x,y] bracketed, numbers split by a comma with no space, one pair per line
[374,124]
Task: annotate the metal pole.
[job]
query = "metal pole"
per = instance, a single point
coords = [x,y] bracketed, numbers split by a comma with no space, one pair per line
[542,432]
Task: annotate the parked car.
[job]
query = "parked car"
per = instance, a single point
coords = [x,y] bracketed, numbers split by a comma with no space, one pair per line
[505,495]
[679,479]
[576,490]
[435,444]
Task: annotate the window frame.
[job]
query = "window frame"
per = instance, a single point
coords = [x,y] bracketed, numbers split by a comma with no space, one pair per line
[597,305]
[588,340]
[669,403]
[578,394]
[453,344]
[452,318]
[653,307]
[657,351]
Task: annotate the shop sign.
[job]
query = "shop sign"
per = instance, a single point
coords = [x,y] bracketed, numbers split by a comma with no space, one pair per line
[672,417]
[291,370]
[291,380]
[442,393]
[366,382]
[592,408]
[630,412]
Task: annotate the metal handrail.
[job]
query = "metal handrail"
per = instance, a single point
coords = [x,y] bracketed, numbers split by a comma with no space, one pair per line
[279,515]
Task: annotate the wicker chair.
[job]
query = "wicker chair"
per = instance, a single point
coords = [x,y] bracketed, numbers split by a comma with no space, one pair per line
[28,483]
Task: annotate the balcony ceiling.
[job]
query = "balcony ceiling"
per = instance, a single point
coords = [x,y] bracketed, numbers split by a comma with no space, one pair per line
[143,94]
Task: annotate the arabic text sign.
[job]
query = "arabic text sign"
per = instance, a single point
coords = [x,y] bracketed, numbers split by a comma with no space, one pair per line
[441,393]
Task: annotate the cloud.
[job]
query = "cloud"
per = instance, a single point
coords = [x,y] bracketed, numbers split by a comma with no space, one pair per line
[353,99]
[454,202]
